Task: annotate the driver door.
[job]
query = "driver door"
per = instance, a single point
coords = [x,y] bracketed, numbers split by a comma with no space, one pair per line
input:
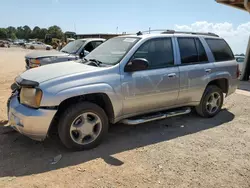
[155,88]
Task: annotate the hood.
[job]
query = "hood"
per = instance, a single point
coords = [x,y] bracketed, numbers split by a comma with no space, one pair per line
[48,72]
[43,54]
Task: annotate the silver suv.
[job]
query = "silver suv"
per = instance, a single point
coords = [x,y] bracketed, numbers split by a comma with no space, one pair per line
[130,79]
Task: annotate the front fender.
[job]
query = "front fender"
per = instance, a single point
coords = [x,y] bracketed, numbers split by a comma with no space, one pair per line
[55,100]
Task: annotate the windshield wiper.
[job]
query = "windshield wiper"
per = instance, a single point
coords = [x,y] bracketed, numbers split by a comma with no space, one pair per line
[83,60]
[96,61]
[65,51]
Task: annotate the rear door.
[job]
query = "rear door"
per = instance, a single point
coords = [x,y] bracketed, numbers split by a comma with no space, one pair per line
[195,69]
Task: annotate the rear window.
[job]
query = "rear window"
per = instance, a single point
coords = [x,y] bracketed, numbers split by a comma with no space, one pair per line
[220,50]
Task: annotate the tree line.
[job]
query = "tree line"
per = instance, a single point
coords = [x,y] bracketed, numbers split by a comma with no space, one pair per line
[25,32]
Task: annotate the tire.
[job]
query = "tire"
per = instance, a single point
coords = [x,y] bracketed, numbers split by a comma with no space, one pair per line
[73,114]
[205,109]
[47,48]
[32,47]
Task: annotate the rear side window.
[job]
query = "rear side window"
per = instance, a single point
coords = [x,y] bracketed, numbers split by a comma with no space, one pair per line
[192,51]
[220,50]
[188,50]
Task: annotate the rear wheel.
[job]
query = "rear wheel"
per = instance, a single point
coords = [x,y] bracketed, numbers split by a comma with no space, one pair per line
[211,102]
[32,47]
[83,126]
[47,48]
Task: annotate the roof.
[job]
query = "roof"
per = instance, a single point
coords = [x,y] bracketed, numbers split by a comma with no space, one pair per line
[92,39]
[240,4]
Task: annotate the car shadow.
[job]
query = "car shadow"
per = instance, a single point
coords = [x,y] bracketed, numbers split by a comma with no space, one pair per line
[20,156]
[3,122]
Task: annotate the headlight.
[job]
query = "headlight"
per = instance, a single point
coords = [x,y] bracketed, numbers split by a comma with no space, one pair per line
[35,63]
[31,97]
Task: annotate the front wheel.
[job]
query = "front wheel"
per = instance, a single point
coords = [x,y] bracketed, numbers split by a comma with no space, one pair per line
[211,102]
[83,126]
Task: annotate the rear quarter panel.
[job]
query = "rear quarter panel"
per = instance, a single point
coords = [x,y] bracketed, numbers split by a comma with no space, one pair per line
[228,70]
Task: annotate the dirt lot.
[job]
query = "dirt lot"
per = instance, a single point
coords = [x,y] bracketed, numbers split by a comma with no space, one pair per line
[185,151]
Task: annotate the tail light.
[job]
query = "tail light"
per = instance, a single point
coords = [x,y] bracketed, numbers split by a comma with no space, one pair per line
[238,71]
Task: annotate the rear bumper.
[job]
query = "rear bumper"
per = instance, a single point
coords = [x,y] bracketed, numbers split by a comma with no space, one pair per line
[233,85]
[33,123]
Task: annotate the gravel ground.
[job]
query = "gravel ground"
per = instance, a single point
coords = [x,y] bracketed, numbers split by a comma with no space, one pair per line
[185,151]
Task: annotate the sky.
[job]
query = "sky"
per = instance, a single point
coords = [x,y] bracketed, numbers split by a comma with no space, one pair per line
[105,16]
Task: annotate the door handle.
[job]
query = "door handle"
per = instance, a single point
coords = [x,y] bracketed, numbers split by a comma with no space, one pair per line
[171,75]
[208,70]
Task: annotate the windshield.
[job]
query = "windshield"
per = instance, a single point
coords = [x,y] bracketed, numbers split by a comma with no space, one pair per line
[113,50]
[73,46]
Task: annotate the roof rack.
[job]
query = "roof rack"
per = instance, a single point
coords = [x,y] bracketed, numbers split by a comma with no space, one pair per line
[150,31]
[164,31]
[189,32]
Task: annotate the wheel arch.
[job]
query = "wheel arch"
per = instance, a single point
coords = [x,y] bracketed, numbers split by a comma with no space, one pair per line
[100,99]
[222,83]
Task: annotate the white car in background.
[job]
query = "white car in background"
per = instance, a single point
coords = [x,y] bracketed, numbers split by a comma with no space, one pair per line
[37,45]
[240,61]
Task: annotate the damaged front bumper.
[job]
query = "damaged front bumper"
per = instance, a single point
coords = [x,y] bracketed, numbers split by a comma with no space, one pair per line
[33,123]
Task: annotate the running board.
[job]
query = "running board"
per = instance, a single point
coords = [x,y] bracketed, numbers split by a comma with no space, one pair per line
[158,116]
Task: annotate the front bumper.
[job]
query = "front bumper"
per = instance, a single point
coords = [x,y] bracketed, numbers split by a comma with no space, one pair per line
[33,123]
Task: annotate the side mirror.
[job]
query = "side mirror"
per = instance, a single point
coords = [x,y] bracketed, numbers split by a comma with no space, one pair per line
[83,54]
[137,64]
